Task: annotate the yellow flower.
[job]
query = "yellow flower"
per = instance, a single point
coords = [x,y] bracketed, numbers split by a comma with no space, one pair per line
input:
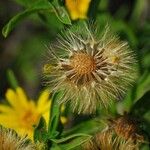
[78,8]
[22,114]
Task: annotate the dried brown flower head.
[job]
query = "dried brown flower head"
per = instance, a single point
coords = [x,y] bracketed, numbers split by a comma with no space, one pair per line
[9,140]
[107,140]
[91,68]
[127,127]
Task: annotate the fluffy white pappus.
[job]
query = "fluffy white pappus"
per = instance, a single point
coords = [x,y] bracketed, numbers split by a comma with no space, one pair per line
[109,141]
[9,140]
[91,67]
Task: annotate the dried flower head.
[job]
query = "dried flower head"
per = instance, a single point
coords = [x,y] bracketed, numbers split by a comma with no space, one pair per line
[127,127]
[108,141]
[9,140]
[90,67]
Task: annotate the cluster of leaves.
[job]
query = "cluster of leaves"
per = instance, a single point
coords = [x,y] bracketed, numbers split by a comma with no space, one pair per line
[52,137]
[135,29]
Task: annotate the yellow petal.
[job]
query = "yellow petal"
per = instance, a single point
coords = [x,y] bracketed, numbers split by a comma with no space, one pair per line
[32,104]
[78,8]
[45,108]
[46,117]
[22,98]
[8,121]
[43,100]
[83,6]
[12,98]
[24,132]
[5,109]
[62,108]
[63,120]
[30,134]
[43,97]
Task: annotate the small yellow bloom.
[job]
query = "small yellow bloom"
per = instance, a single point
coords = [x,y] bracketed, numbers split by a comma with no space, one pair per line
[78,8]
[22,114]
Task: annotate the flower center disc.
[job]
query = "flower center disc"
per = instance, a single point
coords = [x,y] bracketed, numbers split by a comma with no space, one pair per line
[83,63]
[29,119]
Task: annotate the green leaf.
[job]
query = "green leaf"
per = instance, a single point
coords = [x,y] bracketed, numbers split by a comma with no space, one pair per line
[143,86]
[41,5]
[40,133]
[62,140]
[86,127]
[142,106]
[54,120]
[145,147]
[61,12]
[12,79]
[103,5]
[147,116]
[138,11]
[25,3]
[139,90]
[72,141]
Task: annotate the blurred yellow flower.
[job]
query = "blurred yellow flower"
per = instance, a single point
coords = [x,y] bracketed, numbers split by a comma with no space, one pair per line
[22,114]
[78,8]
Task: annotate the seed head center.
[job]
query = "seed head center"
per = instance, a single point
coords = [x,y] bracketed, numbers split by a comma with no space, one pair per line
[83,63]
